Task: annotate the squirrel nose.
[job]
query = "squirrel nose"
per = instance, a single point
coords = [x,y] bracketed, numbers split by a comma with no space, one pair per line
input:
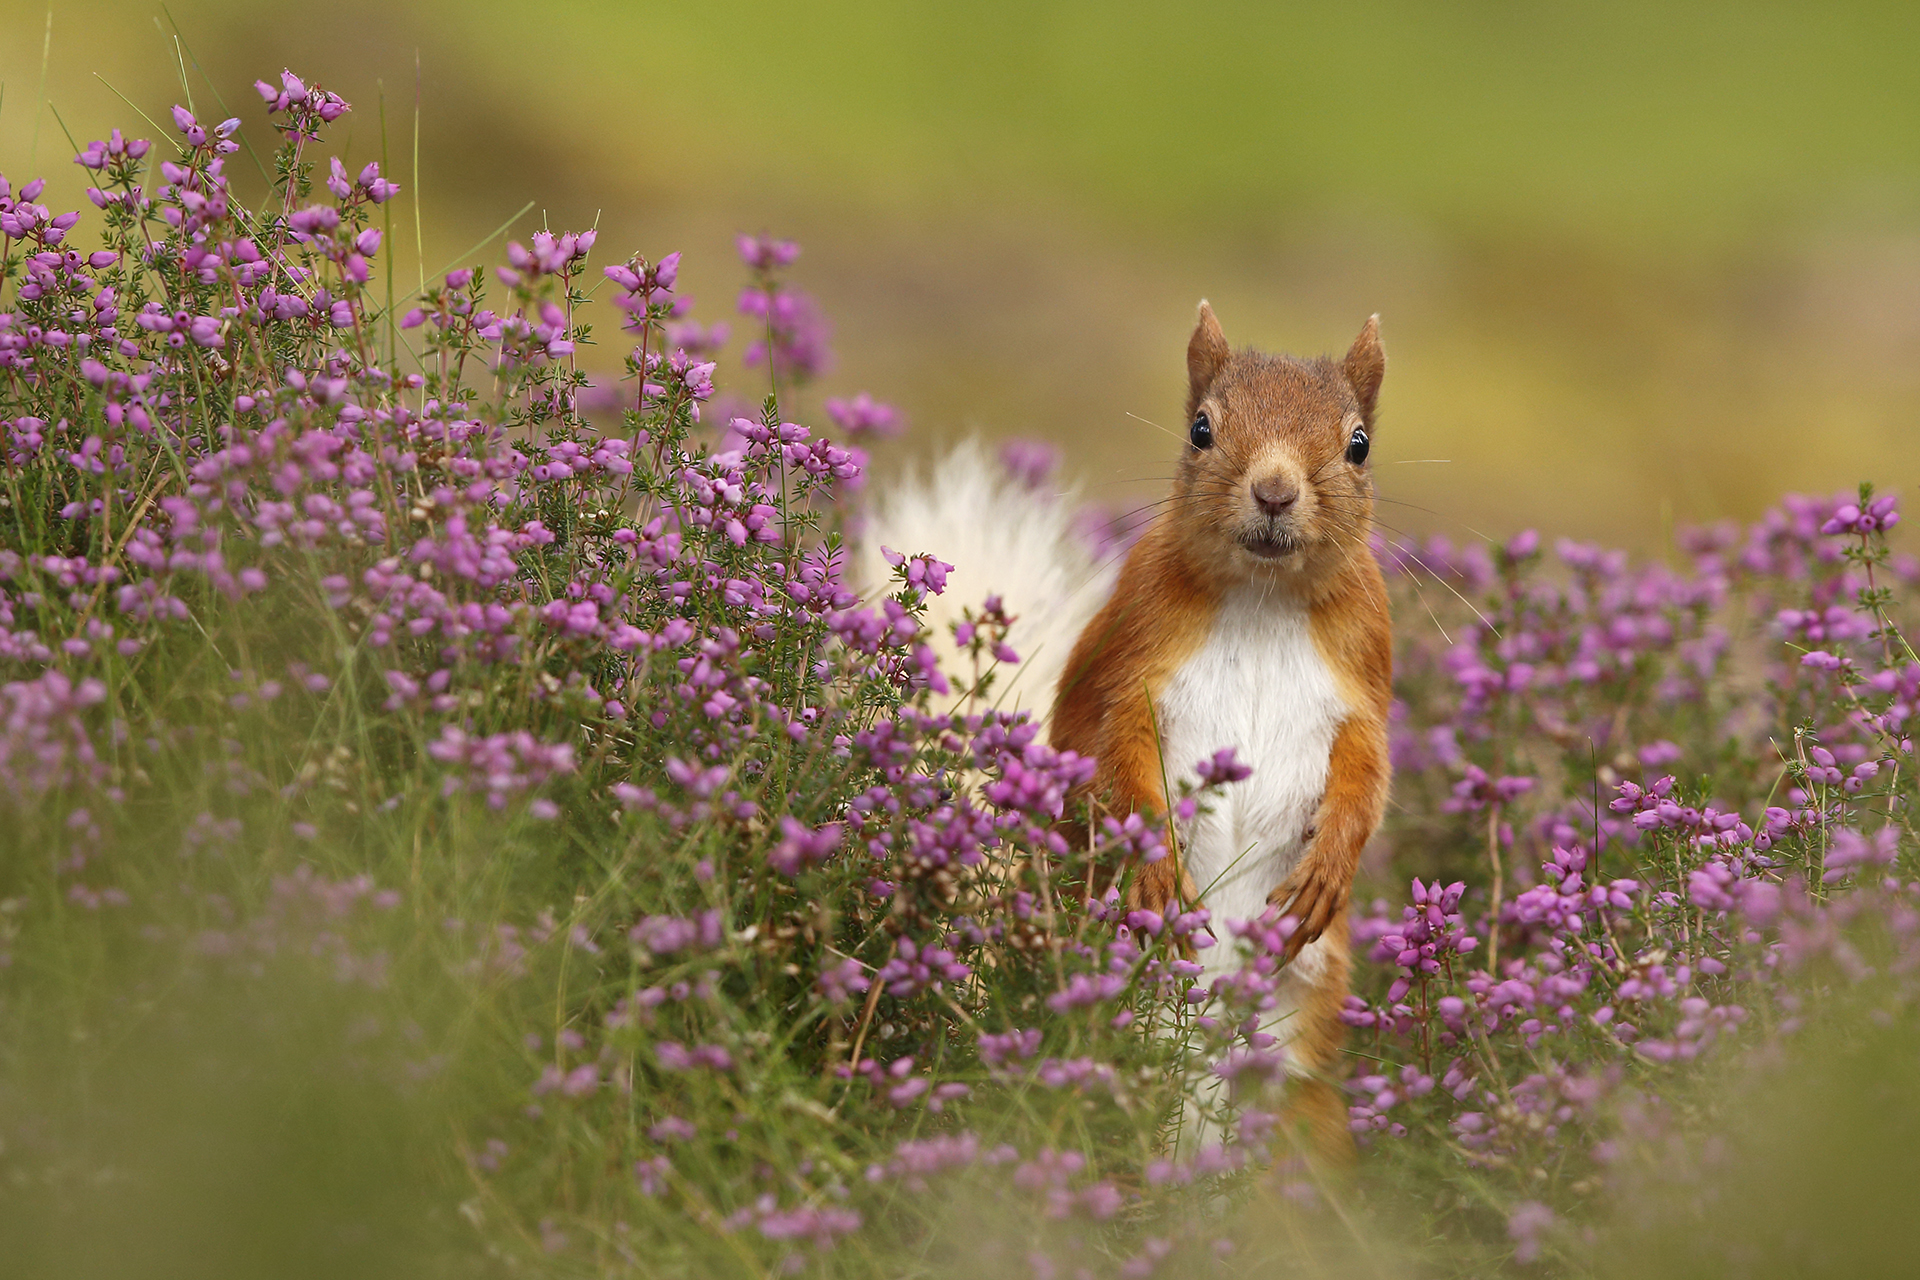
[1275,494]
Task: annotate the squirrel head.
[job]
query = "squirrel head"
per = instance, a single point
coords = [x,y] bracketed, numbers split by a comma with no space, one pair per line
[1274,480]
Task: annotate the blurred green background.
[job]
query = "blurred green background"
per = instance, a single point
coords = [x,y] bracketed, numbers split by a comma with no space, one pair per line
[1637,263]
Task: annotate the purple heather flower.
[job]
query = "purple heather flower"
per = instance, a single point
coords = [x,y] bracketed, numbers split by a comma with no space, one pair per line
[652,1175]
[1223,767]
[767,254]
[183,120]
[864,416]
[1523,545]
[378,189]
[840,983]
[1528,1221]
[1658,753]
[1031,463]
[1850,849]
[800,847]
[1878,515]
[923,574]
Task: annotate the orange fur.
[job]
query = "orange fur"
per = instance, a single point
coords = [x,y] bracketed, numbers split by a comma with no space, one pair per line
[1152,623]
[1273,501]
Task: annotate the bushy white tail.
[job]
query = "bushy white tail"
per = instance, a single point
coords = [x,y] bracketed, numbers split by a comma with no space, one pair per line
[1002,538]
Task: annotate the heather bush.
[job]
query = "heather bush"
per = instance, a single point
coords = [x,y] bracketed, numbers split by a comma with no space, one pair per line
[461,815]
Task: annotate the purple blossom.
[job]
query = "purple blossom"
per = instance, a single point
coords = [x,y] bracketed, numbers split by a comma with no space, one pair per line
[915,968]
[674,1056]
[1031,463]
[795,333]
[669,935]
[1878,515]
[800,847]
[763,253]
[1850,850]
[923,574]
[652,1175]
[840,983]
[1222,768]
[1477,790]
[864,416]
[1525,1225]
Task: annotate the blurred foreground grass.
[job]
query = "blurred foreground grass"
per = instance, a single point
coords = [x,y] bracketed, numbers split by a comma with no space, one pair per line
[208,1119]
[1635,261]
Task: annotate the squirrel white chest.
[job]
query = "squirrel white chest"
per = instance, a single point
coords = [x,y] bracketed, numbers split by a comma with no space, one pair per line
[1258,684]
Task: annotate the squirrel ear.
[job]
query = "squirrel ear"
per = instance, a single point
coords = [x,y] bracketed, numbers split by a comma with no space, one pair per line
[1207,352]
[1365,365]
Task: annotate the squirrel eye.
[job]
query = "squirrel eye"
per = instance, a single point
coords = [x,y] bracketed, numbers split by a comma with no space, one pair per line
[1202,433]
[1357,446]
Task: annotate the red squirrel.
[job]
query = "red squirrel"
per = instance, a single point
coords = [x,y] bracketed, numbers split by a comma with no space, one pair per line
[1251,614]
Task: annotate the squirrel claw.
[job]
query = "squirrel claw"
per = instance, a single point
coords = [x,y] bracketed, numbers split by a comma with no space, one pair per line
[1312,902]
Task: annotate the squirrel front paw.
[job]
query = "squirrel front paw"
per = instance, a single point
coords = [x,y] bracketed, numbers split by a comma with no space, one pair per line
[1161,887]
[1314,897]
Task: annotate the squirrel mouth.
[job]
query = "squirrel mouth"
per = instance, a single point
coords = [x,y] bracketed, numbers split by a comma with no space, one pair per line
[1270,546]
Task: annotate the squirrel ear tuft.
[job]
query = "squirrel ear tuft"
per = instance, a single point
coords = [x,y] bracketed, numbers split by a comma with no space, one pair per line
[1366,365]
[1207,353]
